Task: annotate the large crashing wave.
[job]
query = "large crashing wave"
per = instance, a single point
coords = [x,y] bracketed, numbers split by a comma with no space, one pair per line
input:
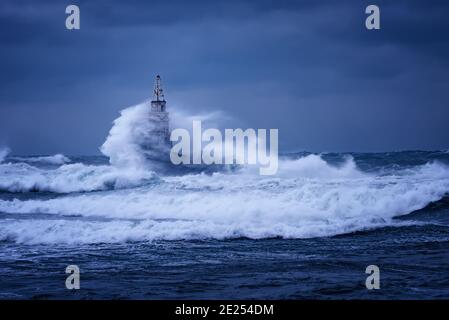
[131,141]
[125,147]
[130,146]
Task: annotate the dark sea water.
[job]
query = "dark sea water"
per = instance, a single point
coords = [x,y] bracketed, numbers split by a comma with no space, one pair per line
[308,232]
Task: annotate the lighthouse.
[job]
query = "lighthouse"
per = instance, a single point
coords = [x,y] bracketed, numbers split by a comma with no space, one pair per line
[157,142]
[159,114]
[158,103]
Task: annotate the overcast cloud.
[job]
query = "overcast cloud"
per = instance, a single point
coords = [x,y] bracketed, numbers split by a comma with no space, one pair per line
[309,68]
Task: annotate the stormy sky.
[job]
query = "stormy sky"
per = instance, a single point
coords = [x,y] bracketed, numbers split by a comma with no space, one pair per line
[309,68]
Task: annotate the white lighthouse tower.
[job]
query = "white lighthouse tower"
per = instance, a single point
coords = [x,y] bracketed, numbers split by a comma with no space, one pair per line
[158,114]
[158,103]
[157,142]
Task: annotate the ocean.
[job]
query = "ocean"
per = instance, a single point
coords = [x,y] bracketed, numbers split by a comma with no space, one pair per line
[308,232]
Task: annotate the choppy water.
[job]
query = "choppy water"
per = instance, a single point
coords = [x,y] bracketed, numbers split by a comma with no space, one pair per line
[308,232]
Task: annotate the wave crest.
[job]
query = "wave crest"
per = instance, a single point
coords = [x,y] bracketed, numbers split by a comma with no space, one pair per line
[232,205]
[77,177]
[56,159]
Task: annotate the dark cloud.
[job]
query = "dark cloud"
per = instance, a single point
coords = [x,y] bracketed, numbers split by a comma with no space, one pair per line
[309,68]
